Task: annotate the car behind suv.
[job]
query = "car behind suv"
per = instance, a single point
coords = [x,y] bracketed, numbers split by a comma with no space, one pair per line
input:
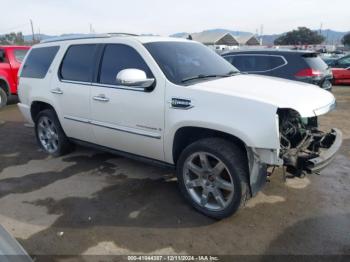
[305,66]
[176,103]
[10,61]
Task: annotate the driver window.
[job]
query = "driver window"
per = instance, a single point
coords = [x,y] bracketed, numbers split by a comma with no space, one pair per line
[118,57]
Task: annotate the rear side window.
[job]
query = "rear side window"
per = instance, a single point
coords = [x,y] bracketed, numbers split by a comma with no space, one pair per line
[118,57]
[315,62]
[256,63]
[38,62]
[20,54]
[78,63]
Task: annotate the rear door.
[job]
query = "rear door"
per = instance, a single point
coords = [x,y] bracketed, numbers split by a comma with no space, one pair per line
[125,118]
[70,90]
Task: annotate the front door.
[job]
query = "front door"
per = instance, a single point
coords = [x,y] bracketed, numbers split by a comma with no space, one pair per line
[124,118]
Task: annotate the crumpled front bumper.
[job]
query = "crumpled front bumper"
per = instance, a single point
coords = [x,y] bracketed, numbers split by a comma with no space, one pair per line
[315,165]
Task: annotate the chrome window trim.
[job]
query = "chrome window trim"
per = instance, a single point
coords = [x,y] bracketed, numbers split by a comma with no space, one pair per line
[263,71]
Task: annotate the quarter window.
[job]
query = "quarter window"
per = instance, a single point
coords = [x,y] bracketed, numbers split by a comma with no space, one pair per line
[78,63]
[255,63]
[118,57]
[39,61]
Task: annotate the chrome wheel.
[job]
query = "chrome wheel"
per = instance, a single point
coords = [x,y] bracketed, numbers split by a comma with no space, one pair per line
[47,134]
[208,181]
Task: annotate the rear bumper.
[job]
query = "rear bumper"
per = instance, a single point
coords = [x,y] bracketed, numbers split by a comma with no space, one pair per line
[315,165]
[25,110]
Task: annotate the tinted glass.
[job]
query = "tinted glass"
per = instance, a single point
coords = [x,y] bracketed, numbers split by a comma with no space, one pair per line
[20,54]
[119,57]
[255,63]
[344,62]
[315,62]
[78,63]
[38,62]
[2,56]
[181,60]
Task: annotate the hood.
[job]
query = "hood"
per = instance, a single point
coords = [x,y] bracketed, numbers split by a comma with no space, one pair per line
[309,100]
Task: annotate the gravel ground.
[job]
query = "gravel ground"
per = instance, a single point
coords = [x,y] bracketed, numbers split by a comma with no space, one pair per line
[94,203]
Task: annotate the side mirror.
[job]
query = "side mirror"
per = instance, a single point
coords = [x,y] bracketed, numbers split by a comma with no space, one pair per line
[134,78]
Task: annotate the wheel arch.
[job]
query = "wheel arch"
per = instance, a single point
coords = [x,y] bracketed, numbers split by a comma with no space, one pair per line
[38,106]
[187,135]
[4,84]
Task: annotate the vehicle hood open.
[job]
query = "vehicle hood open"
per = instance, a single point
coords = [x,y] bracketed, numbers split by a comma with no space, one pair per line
[307,99]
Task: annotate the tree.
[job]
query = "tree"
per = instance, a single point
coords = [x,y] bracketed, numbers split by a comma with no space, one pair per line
[346,39]
[301,36]
[12,39]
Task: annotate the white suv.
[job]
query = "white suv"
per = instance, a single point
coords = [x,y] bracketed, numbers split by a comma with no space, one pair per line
[175,102]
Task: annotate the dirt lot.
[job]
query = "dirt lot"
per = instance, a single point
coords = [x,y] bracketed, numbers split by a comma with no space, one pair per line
[91,202]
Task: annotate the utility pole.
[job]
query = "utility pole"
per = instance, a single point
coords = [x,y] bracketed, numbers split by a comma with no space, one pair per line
[31,25]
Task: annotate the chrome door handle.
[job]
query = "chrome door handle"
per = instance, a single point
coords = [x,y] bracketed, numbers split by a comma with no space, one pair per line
[57,91]
[101,98]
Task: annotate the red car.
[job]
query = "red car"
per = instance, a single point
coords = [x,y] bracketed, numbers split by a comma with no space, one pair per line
[341,70]
[10,61]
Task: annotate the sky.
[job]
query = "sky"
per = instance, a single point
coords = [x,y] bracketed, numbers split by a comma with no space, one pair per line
[166,17]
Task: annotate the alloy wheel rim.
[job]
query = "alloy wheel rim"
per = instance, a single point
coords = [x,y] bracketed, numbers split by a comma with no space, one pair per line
[208,181]
[47,133]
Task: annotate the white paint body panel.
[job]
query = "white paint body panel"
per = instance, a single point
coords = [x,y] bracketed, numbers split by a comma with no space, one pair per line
[144,123]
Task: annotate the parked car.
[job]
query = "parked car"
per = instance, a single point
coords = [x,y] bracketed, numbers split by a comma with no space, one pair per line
[10,61]
[176,103]
[304,66]
[341,70]
[10,249]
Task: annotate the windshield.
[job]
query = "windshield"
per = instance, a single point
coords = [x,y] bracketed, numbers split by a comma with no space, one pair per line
[20,54]
[189,61]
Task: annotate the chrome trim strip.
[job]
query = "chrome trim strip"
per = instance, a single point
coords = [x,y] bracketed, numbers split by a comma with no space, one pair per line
[125,129]
[114,127]
[139,88]
[75,82]
[77,119]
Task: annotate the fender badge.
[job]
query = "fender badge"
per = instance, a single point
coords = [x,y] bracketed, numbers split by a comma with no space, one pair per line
[180,103]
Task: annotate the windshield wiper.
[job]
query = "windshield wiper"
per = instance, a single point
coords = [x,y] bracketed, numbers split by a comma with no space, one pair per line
[201,76]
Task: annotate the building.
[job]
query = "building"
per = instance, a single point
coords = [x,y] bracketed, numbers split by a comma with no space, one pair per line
[247,40]
[215,38]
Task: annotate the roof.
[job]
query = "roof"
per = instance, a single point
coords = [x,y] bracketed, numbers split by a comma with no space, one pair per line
[142,39]
[268,51]
[243,39]
[15,46]
[212,38]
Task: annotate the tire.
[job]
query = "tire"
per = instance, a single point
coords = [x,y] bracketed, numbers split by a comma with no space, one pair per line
[204,188]
[50,135]
[3,98]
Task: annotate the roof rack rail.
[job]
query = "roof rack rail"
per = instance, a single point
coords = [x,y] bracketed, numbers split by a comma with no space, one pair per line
[84,36]
[74,37]
[121,34]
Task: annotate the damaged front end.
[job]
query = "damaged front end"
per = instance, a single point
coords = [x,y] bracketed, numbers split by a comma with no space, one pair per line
[304,148]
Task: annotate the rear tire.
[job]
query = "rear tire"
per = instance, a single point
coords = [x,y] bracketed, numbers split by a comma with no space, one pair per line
[50,134]
[3,98]
[213,177]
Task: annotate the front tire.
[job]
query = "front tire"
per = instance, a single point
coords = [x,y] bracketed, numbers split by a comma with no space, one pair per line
[3,98]
[212,175]
[50,134]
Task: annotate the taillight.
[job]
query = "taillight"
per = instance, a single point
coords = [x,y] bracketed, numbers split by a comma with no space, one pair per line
[308,73]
